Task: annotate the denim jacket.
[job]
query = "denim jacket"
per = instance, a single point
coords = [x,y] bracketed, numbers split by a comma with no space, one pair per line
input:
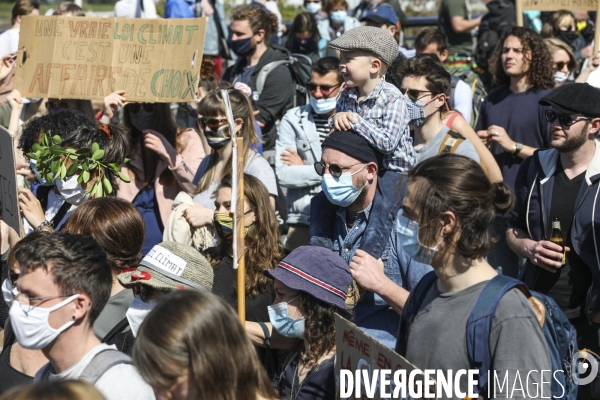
[211,38]
[298,132]
[372,314]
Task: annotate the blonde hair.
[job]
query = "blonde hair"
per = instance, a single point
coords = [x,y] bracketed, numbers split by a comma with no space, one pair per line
[554,45]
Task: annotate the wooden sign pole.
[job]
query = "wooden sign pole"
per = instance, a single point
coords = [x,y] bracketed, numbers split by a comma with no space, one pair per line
[519,11]
[597,33]
[239,226]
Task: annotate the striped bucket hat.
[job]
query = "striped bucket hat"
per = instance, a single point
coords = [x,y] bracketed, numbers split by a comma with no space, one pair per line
[317,271]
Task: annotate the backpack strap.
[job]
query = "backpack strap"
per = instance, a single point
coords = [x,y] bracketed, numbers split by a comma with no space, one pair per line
[102,362]
[480,321]
[116,329]
[261,77]
[269,361]
[417,295]
[451,142]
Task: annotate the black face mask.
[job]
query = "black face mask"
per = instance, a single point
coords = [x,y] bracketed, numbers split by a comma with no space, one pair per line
[567,37]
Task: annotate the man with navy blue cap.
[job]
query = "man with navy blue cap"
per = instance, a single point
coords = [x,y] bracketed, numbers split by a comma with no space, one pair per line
[349,166]
[383,16]
[560,188]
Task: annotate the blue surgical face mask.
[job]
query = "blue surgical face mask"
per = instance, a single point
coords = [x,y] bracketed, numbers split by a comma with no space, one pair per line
[341,191]
[408,236]
[41,180]
[313,8]
[323,106]
[283,323]
[338,17]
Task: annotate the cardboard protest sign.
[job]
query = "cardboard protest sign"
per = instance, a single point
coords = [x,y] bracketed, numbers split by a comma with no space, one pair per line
[8,183]
[555,5]
[360,354]
[153,60]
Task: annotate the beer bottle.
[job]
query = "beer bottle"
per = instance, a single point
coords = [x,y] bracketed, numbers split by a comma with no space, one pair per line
[557,238]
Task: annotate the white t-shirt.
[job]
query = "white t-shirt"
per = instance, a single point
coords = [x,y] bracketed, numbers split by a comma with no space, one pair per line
[256,165]
[55,202]
[463,100]
[120,382]
[9,41]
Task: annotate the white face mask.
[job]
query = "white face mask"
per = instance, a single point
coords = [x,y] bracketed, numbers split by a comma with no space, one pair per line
[32,329]
[71,190]
[7,289]
[560,77]
[137,312]
[323,106]
[338,16]
[313,8]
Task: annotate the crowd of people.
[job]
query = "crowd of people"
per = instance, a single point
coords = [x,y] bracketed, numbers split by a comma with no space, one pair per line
[399,189]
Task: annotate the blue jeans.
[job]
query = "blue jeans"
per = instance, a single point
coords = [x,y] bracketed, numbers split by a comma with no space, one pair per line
[385,206]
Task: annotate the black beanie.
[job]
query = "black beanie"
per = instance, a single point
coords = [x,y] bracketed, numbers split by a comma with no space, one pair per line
[351,144]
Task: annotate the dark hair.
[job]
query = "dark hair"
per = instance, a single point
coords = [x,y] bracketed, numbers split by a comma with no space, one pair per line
[428,66]
[208,76]
[77,264]
[54,390]
[540,73]
[450,182]
[393,74]
[162,123]
[258,18]
[331,4]
[303,22]
[22,8]
[195,332]
[35,235]
[325,65]
[264,249]
[116,225]
[429,36]
[69,7]
[319,328]
[77,132]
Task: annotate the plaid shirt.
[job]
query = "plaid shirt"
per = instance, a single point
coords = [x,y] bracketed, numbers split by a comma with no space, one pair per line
[382,119]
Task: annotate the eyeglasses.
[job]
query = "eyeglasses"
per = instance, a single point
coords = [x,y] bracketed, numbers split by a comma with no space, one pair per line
[413,94]
[148,107]
[563,119]
[145,292]
[561,65]
[335,170]
[212,122]
[325,89]
[29,303]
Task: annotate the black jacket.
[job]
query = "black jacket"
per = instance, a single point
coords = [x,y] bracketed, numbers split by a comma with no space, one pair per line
[277,95]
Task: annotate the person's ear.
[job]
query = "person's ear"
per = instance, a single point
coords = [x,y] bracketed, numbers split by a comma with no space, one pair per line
[260,36]
[83,305]
[392,30]
[18,19]
[594,127]
[448,222]
[372,169]
[238,124]
[444,55]
[376,65]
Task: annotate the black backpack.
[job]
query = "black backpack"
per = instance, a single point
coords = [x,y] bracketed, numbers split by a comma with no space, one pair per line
[502,14]
[300,67]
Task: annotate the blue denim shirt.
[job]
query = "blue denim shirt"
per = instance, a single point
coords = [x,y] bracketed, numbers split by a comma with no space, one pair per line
[372,314]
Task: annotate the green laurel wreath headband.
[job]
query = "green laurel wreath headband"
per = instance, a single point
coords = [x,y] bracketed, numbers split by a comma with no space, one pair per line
[51,158]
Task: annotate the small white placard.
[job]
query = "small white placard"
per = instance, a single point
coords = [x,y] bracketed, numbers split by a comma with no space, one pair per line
[162,258]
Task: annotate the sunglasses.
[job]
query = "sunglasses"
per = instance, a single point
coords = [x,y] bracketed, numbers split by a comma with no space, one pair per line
[325,89]
[563,119]
[561,65]
[212,122]
[51,105]
[413,94]
[148,107]
[335,170]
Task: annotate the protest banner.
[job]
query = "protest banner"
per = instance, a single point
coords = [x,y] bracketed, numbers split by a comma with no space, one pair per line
[357,351]
[555,5]
[8,180]
[153,60]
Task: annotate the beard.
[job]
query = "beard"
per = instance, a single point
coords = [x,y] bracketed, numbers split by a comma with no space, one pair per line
[573,143]
[361,183]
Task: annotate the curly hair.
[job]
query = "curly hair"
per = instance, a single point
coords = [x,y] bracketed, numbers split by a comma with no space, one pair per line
[263,247]
[454,183]
[535,52]
[258,18]
[319,329]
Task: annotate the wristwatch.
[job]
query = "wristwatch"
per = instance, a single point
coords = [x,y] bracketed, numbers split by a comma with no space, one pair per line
[516,149]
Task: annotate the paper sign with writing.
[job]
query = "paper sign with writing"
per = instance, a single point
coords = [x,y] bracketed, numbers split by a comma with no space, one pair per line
[153,60]
[8,183]
[555,5]
[162,259]
[356,351]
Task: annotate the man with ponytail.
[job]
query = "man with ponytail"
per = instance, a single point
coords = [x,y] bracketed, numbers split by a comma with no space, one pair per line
[251,29]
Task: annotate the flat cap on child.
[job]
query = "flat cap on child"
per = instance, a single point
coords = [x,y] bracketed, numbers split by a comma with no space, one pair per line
[369,39]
